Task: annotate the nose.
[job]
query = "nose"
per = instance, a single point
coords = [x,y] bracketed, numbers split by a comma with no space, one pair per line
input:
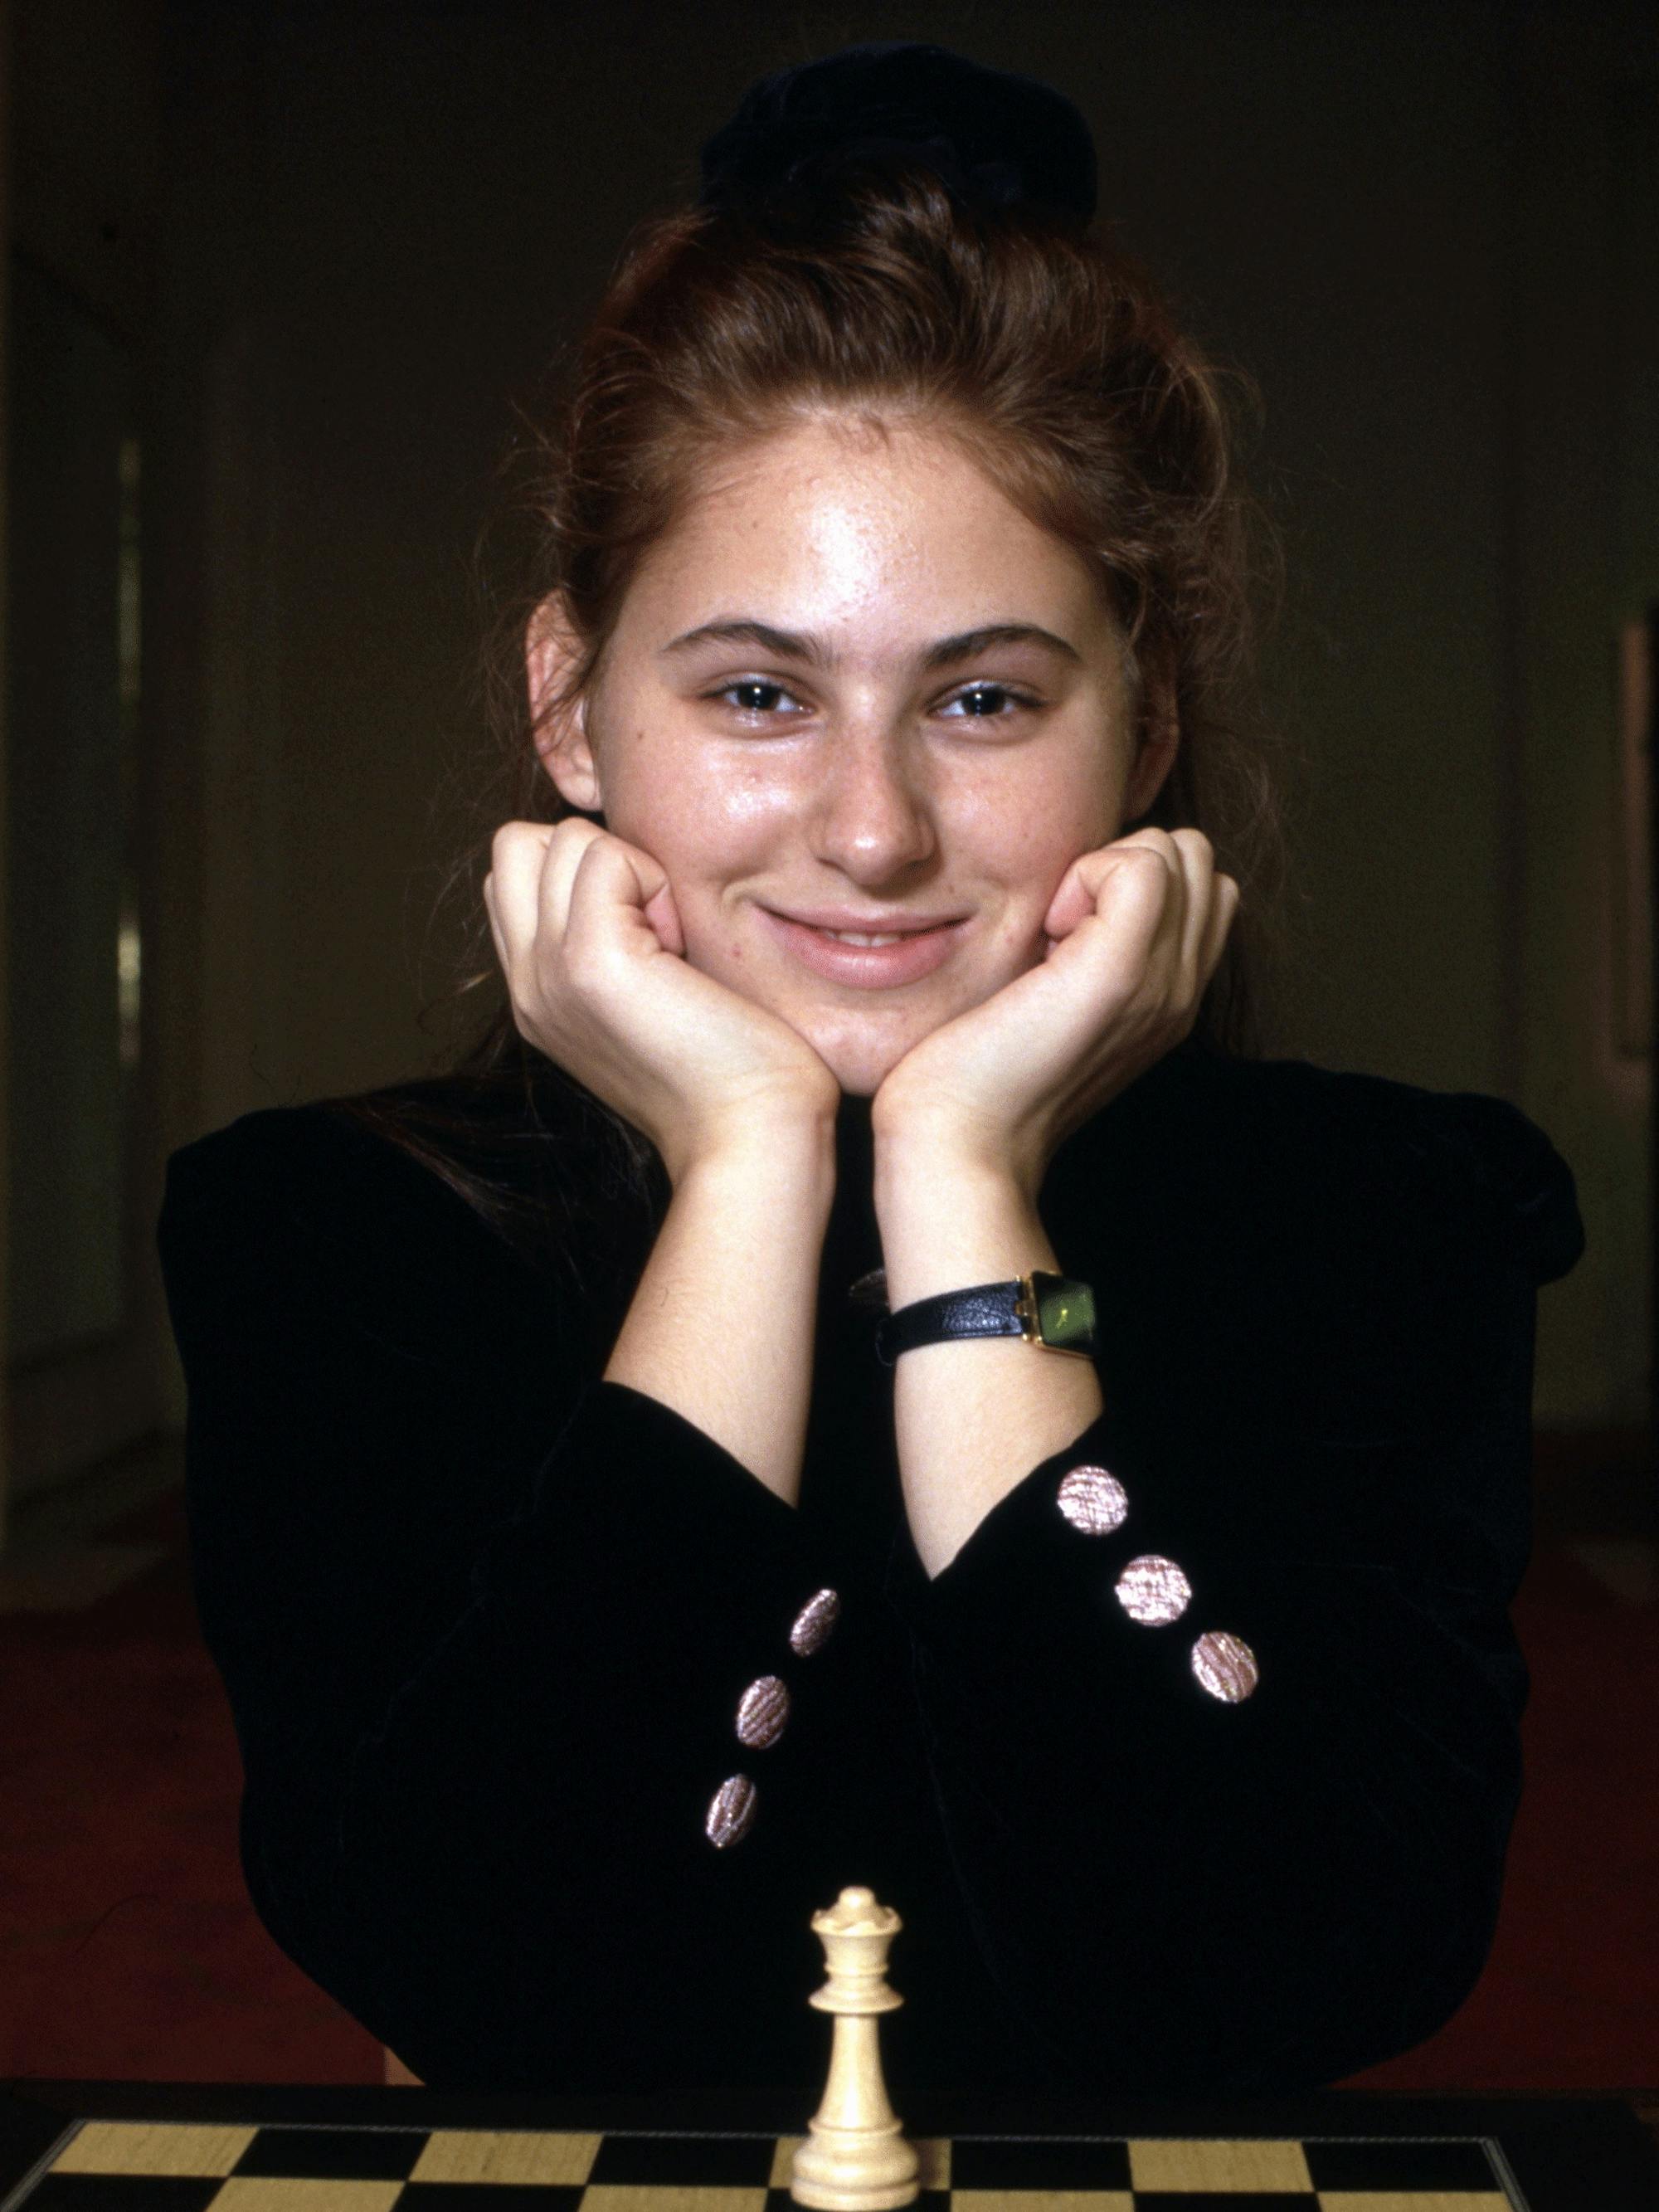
[873,816]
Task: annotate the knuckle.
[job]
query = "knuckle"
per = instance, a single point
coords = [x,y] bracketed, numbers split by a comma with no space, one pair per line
[594,855]
[573,830]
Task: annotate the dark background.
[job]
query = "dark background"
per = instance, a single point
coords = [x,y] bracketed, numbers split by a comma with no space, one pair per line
[306,258]
[281,275]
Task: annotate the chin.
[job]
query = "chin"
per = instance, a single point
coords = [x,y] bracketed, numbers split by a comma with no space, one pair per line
[862,1081]
[859,1055]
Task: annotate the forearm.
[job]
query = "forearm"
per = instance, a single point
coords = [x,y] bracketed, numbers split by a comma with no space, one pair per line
[431,1856]
[722,1324]
[970,1419]
[1296,1885]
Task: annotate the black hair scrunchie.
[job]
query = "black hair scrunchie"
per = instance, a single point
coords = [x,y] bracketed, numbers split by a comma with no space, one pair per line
[995,140]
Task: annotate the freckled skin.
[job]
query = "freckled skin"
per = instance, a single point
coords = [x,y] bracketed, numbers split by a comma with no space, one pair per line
[871,783]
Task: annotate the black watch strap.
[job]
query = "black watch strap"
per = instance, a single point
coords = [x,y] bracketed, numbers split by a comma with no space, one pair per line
[988,1310]
[1050,1310]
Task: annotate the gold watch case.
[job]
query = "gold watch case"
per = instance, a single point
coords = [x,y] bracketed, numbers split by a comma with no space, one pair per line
[1057,1313]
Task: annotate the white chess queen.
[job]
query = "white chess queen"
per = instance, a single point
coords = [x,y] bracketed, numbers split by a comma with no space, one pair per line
[593,1601]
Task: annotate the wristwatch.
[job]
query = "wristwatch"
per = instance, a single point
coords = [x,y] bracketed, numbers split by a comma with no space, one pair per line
[1053,1311]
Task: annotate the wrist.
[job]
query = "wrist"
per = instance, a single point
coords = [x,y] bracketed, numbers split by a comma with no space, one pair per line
[918,1175]
[945,1232]
[788,1161]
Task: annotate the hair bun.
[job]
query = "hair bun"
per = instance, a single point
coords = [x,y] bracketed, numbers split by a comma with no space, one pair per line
[995,140]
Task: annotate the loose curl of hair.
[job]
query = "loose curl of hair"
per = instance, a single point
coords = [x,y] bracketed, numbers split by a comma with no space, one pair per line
[1028,336]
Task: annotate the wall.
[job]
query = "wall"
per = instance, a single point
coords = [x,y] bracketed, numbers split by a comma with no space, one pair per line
[1586,471]
[5,1034]
[86,1355]
[378,225]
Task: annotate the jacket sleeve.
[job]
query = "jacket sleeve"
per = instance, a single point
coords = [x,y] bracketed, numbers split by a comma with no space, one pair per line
[1271,1861]
[484,1619]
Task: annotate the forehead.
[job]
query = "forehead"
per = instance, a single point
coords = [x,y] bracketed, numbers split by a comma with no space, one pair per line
[876,530]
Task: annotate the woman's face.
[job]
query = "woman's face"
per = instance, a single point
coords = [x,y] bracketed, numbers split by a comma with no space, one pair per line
[855,688]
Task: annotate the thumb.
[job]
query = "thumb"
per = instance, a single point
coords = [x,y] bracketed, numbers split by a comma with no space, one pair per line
[1077,892]
[1077,895]
[663,916]
[638,880]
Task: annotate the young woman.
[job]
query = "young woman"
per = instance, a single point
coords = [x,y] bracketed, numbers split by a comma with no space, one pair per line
[597,1590]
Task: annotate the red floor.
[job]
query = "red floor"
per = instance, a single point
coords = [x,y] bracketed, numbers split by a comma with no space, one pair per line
[128,1949]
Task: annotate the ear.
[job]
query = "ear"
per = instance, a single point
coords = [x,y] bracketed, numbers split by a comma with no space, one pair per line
[552,651]
[1159,742]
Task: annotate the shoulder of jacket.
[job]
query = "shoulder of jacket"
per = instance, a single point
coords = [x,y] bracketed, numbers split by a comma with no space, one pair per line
[277,1151]
[1411,1159]
[324,1171]
[305,1220]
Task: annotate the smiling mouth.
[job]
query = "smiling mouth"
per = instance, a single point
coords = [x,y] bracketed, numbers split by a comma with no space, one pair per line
[869,932]
[867,959]
[854,936]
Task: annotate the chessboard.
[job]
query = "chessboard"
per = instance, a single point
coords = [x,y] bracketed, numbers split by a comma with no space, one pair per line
[130,2146]
[137,2164]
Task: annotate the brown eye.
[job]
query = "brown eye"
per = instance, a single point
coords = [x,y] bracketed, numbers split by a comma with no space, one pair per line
[986,702]
[753,695]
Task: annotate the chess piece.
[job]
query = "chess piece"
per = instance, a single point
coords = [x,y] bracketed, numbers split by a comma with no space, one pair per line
[855,2159]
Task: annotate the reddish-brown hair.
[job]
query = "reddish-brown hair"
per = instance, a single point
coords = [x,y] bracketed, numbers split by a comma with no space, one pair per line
[1032,337]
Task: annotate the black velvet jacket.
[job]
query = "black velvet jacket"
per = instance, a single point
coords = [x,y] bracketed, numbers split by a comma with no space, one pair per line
[485,1619]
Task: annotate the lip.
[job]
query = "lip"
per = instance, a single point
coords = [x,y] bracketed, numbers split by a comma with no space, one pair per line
[866,966]
[902,920]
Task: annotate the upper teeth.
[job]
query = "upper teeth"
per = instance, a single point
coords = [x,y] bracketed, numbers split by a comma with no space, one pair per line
[855,937]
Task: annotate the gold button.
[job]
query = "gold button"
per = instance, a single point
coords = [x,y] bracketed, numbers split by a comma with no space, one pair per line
[762,1712]
[814,1623]
[1153,1590]
[1093,1501]
[1225,1665]
[731,1812]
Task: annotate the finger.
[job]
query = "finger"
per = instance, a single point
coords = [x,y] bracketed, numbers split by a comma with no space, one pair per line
[516,851]
[1223,909]
[1150,881]
[1072,903]
[561,859]
[1077,894]
[657,896]
[1197,859]
[621,878]
[1132,915]
[494,924]
[663,917]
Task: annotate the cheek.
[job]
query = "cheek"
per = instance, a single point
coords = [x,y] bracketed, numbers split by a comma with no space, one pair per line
[716,840]
[1074,811]
[1023,834]
[706,823]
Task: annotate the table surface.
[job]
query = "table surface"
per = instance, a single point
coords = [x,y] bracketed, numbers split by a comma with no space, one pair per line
[1569,2153]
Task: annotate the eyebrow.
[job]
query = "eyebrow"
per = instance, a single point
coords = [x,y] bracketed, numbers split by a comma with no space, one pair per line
[945,653]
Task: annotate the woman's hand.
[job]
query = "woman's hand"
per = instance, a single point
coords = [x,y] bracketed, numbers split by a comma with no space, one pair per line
[590,943]
[1135,929]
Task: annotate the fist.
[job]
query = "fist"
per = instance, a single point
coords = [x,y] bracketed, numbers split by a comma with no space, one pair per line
[1133,933]
[590,945]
